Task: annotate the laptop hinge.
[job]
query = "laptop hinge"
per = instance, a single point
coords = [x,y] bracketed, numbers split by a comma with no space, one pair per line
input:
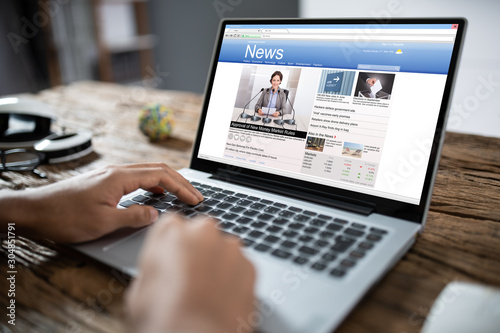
[298,192]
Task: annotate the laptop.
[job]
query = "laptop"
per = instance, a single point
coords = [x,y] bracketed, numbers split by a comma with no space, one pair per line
[330,198]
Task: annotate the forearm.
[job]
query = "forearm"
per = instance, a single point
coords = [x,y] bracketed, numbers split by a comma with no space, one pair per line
[17,207]
[363,77]
[284,102]
[258,105]
[182,323]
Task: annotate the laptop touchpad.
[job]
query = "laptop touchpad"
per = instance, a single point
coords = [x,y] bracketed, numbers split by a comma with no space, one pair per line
[126,250]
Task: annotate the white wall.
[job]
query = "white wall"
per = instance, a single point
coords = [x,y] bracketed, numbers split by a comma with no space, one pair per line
[476,100]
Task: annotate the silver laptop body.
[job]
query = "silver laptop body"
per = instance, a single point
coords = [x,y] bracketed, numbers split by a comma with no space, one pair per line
[334,191]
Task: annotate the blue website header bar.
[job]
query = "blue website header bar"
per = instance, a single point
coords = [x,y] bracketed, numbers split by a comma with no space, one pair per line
[433,58]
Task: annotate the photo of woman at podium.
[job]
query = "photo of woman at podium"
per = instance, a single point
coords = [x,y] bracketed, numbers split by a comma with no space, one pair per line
[273,99]
[281,105]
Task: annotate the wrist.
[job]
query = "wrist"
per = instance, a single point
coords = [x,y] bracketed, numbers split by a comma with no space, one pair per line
[18,207]
[181,324]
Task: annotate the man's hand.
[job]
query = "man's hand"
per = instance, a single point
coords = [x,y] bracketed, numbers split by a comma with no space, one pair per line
[192,279]
[83,208]
[371,81]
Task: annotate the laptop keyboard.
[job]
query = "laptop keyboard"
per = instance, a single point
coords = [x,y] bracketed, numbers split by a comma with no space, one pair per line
[322,242]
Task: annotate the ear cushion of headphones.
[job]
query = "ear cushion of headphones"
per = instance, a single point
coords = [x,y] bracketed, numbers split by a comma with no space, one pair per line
[31,129]
[4,123]
[59,148]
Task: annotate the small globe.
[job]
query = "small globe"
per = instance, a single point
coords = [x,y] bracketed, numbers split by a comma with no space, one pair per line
[156,121]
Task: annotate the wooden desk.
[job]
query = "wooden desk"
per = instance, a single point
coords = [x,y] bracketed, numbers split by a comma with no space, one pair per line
[57,291]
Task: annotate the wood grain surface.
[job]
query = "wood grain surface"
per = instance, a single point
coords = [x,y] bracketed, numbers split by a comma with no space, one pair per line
[58,290]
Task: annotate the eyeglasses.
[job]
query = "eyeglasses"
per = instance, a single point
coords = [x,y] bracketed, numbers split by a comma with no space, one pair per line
[21,160]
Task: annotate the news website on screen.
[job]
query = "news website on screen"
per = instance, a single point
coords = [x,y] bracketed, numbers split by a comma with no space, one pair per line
[349,106]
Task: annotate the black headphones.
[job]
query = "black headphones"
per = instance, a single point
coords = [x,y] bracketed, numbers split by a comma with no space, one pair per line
[25,123]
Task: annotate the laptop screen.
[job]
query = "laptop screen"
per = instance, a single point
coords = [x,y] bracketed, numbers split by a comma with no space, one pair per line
[350,106]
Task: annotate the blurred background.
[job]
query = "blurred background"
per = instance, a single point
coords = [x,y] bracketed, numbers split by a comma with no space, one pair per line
[168,44]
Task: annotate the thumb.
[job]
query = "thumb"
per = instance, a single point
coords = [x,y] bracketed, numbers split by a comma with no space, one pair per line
[135,216]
